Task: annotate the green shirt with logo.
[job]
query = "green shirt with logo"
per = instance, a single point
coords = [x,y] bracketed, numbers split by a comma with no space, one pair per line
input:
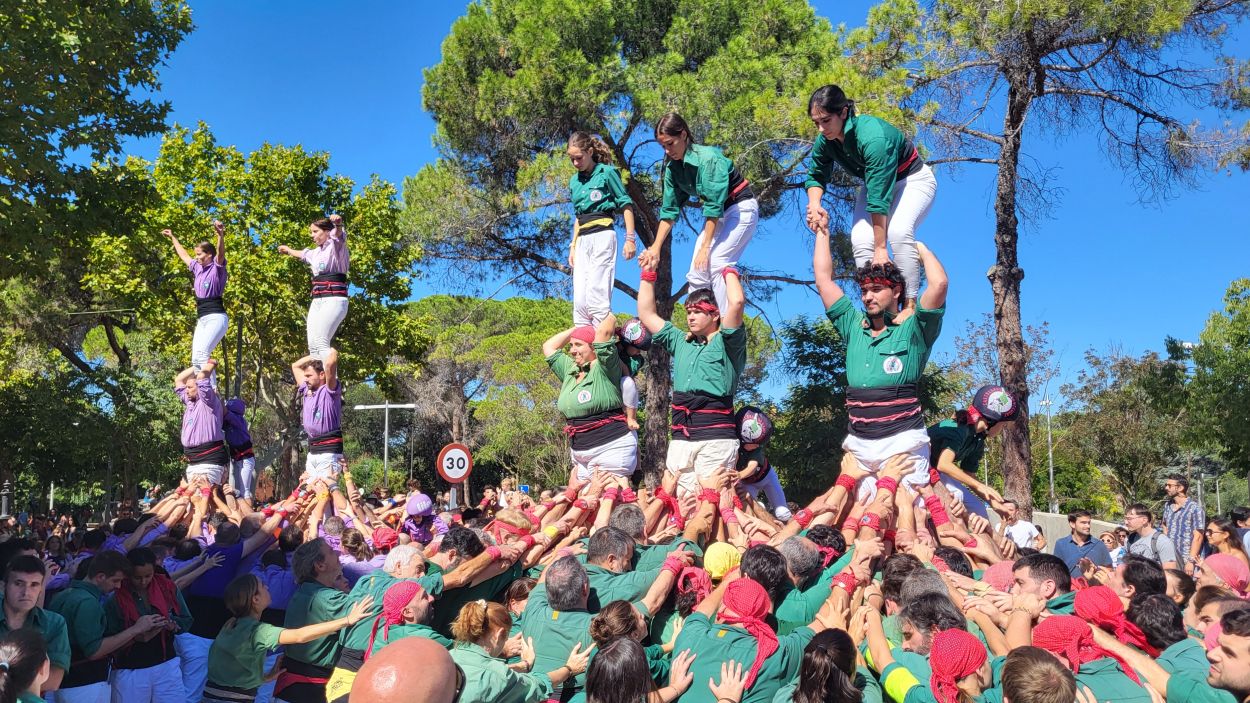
[896,356]
[599,190]
[597,391]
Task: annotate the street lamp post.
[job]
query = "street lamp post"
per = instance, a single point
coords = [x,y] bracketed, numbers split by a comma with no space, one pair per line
[385,407]
[1050,455]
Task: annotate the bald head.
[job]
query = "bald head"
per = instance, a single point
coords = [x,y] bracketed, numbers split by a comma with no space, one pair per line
[390,677]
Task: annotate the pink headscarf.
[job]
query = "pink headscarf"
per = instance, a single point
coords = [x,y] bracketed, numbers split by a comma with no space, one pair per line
[1231,570]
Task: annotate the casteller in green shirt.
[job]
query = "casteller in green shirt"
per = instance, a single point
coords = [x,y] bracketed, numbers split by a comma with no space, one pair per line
[872,150]
[237,656]
[715,643]
[895,357]
[597,391]
[704,174]
[599,190]
[314,603]
[710,366]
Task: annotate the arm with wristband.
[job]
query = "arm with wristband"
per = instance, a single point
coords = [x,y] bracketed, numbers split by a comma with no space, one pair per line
[658,593]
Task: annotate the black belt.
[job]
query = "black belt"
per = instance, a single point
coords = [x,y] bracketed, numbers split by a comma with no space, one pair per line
[876,413]
[242,451]
[328,443]
[209,306]
[329,285]
[350,659]
[231,694]
[208,453]
[699,416]
[585,219]
[596,430]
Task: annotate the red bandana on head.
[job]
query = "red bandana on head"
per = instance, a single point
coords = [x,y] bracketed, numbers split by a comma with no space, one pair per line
[396,598]
[750,604]
[704,306]
[585,333]
[954,655]
[1068,636]
[1101,606]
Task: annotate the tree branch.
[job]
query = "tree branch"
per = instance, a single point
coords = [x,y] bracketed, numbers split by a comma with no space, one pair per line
[965,129]
[1113,98]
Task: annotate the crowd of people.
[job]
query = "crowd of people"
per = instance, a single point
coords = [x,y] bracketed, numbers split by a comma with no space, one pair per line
[906,578]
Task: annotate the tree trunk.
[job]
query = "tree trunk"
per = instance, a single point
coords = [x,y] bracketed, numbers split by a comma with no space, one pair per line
[659,377]
[1005,277]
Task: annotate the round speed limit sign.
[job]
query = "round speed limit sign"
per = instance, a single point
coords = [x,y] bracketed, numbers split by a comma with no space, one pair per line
[455,463]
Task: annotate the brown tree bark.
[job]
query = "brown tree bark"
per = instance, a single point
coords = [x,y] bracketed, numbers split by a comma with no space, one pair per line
[1005,277]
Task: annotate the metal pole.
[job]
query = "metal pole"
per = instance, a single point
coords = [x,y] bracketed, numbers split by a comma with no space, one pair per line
[51,496]
[1050,456]
[1218,508]
[386,444]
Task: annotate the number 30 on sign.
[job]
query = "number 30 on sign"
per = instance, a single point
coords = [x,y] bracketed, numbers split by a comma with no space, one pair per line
[455,463]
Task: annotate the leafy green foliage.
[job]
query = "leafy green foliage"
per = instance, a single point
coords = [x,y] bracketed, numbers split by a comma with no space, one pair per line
[1221,386]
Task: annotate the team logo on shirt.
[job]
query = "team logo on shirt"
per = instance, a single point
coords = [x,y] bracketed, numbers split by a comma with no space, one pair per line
[321,267]
[316,414]
[583,396]
[892,364]
[596,195]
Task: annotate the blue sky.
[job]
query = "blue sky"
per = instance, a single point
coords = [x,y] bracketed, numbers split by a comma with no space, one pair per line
[1100,267]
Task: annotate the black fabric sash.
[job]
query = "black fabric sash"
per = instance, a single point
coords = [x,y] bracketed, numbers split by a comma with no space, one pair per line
[698,417]
[596,430]
[328,443]
[877,413]
[208,453]
[329,285]
[209,306]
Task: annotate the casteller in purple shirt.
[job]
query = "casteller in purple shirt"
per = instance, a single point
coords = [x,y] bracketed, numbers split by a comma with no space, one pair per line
[210,280]
[202,417]
[323,410]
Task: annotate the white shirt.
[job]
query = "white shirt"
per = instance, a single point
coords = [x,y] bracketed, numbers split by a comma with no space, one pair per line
[1022,533]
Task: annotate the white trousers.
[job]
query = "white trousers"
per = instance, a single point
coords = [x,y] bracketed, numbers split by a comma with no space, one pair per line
[324,317]
[91,693]
[209,472]
[243,475]
[963,494]
[618,457]
[730,238]
[209,331]
[913,196]
[156,684]
[326,467]
[771,488]
[873,453]
[193,651]
[629,392]
[594,272]
[693,460]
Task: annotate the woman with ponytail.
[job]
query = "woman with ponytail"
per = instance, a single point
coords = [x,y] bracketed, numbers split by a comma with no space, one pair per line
[24,666]
[481,633]
[828,674]
[598,194]
[618,674]
[730,209]
[899,188]
[621,619]
[329,261]
[147,670]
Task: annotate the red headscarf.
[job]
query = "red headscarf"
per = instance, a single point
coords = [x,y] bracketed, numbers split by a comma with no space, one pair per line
[396,598]
[750,604]
[385,538]
[704,306]
[1101,606]
[694,580]
[585,333]
[1000,576]
[1068,636]
[954,655]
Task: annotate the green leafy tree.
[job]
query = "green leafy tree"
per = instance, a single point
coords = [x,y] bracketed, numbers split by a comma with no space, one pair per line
[1135,72]
[102,59]
[516,77]
[1221,385]
[264,198]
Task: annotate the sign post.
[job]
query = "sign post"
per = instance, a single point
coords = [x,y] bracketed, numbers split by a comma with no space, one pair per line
[455,463]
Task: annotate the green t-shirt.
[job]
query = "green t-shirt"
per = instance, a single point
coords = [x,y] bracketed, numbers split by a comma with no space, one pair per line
[607,586]
[871,149]
[1109,684]
[597,392]
[599,190]
[80,607]
[712,366]
[648,557]
[1064,604]
[1185,657]
[960,439]
[555,634]
[714,643]
[53,629]
[386,635]
[489,680]
[895,357]
[447,608]
[237,657]
[703,174]
[1187,688]
[356,637]
[799,606]
[313,603]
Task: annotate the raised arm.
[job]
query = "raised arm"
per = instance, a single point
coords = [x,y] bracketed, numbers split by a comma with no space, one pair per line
[331,365]
[220,229]
[186,374]
[297,366]
[735,300]
[822,267]
[182,253]
[340,232]
[556,342]
[934,295]
[606,329]
[646,299]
